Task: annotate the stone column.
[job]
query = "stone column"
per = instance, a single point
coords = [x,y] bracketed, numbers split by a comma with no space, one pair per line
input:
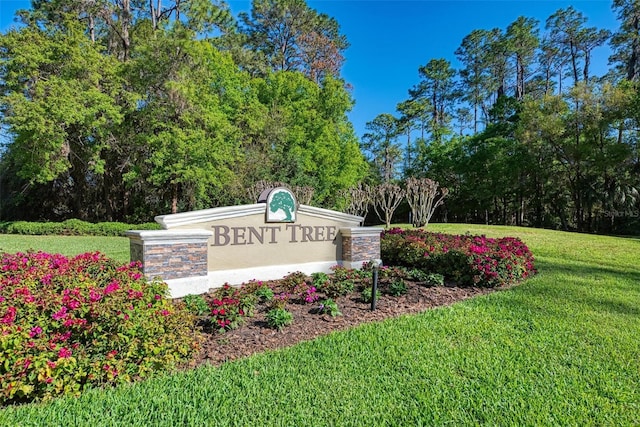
[360,245]
[178,257]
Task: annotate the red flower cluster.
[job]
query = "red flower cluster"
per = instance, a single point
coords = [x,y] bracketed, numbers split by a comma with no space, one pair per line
[226,313]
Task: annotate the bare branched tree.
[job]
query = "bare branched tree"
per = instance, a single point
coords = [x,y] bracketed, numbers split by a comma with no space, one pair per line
[303,195]
[423,198]
[257,188]
[386,199]
[358,198]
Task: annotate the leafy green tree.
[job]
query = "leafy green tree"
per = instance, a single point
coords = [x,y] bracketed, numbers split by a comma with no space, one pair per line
[522,41]
[293,37]
[407,123]
[307,138]
[59,100]
[626,41]
[381,142]
[472,53]
[574,40]
[185,139]
[438,86]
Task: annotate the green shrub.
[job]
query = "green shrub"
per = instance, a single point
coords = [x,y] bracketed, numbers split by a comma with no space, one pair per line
[278,318]
[248,302]
[335,288]
[434,279]
[318,279]
[329,307]
[367,294]
[304,294]
[196,304]
[34,228]
[341,282]
[73,227]
[291,281]
[69,324]
[264,293]
[76,227]
[417,275]
[397,287]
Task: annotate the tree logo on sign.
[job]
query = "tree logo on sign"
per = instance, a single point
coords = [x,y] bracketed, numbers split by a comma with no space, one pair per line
[281,206]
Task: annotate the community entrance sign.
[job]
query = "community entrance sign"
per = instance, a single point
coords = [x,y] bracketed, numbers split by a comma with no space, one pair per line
[203,249]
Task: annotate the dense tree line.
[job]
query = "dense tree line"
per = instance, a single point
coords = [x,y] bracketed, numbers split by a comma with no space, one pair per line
[524,133]
[125,109]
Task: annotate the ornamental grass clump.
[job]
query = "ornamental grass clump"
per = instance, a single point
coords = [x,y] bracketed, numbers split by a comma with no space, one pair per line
[67,324]
[463,259]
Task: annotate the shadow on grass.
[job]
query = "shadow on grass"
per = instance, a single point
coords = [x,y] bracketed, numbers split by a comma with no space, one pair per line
[602,288]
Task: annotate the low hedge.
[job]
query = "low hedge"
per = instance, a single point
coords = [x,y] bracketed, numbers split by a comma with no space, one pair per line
[463,259]
[73,227]
[69,324]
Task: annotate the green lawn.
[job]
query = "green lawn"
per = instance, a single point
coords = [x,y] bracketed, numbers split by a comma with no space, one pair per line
[561,349]
[114,247]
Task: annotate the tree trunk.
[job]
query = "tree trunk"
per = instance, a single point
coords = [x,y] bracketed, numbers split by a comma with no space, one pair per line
[174,199]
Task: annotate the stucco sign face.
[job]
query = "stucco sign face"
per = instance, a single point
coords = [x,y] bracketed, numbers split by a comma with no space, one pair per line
[207,248]
[281,206]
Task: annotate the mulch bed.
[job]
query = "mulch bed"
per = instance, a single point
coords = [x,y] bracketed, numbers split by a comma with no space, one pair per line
[255,336]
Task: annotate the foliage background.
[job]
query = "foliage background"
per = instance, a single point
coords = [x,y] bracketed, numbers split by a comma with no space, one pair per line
[120,111]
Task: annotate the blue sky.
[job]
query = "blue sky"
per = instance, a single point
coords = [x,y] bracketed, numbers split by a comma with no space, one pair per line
[390,39]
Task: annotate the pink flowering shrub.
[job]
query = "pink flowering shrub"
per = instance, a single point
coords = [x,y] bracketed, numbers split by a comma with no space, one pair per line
[68,324]
[298,288]
[464,259]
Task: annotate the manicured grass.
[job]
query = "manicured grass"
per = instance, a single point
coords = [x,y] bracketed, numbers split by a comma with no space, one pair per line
[113,247]
[561,349]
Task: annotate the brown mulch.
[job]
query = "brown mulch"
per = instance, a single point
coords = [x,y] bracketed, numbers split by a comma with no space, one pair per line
[255,336]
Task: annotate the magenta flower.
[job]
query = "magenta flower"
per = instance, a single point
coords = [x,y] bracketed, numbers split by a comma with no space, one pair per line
[35,331]
[64,353]
[111,287]
[60,314]
[10,316]
[94,296]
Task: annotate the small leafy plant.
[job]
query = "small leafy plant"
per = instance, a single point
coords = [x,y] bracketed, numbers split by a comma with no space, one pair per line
[196,304]
[278,318]
[339,285]
[264,293]
[367,294]
[293,280]
[318,279]
[229,308]
[330,307]
[280,300]
[434,279]
[397,287]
